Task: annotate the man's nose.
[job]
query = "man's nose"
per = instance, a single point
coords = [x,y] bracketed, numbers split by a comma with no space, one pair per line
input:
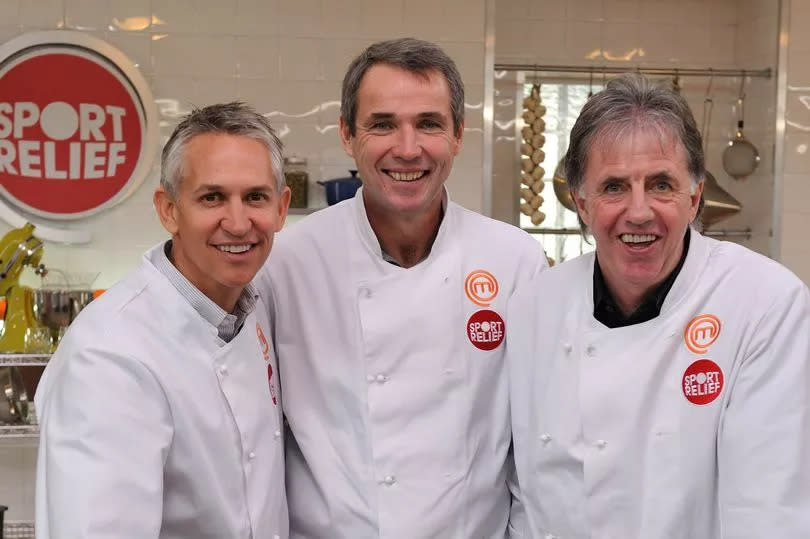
[407,144]
[236,220]
[639,210]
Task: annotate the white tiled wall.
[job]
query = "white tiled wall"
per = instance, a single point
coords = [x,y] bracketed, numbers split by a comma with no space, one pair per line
[286,57]
[658,33]
[794,241]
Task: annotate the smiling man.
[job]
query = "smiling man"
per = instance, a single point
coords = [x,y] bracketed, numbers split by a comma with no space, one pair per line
[669,395]
[391,338]
[159,412]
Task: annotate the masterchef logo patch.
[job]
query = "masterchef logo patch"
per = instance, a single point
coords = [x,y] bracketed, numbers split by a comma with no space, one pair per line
[702,382]
[701,332]
[486,329]
[481,287]
[72,130]
[265,348]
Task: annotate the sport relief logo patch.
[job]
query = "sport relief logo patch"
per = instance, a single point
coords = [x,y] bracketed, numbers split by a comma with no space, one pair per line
[701,332]
[481,287]
[702,382]
[486,329]
[265,347]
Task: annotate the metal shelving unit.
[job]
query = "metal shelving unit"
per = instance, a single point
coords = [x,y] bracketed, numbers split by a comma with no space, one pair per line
[24,360]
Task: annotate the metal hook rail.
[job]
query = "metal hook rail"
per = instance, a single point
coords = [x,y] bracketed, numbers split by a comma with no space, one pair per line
[766,73]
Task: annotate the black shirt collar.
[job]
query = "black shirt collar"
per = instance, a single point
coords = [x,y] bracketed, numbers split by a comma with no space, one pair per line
[607,311]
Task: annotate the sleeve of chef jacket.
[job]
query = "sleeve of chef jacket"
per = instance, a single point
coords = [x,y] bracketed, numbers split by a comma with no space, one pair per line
[764,441]
[106,428]
[517,513]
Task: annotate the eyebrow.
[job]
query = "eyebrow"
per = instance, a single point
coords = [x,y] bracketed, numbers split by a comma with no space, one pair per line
[208,187]
[432,115]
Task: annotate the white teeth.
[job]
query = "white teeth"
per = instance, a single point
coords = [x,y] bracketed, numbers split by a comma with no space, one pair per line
[637,238]
[406,176]
[234,248]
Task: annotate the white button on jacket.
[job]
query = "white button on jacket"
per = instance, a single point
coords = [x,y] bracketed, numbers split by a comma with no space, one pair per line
[400,424]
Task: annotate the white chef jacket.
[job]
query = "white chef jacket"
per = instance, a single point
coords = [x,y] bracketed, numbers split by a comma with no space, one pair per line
[621,433]
[151,426]
[400,423]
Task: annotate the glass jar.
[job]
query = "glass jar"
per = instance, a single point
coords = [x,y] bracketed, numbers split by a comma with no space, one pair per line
[297,179]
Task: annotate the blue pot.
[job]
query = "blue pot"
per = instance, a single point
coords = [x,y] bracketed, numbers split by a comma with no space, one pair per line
[341,188]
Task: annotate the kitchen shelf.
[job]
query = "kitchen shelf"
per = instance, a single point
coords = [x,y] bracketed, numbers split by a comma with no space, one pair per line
[19,435]
[19,529]
[24,360]
[19,431]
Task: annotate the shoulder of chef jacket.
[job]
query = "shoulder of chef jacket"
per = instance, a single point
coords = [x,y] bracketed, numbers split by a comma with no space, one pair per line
[393,379]
[151,426]
[693,424]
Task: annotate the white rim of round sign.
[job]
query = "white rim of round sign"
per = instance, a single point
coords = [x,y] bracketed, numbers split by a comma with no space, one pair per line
[91,48]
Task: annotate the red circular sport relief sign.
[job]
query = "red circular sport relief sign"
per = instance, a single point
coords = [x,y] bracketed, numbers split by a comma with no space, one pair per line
[73,125]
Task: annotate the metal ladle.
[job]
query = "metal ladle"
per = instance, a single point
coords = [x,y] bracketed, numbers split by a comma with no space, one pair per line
[740,158]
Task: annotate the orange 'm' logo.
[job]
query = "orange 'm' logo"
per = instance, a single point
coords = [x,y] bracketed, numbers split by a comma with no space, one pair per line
[263,342]
[701,332]
[481,287]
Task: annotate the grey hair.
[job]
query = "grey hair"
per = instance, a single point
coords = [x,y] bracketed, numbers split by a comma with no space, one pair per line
[628,103]
[233,118]
[414,55]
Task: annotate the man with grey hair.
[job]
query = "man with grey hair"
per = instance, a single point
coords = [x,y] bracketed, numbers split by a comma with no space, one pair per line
[669,395]
[391,340]
[160,413]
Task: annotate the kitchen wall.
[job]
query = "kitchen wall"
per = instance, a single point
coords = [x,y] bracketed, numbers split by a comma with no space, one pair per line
[286,57]
[793,229]
[655,33]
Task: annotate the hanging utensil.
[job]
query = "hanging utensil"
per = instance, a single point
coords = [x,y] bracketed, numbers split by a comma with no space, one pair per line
[561,189]
[717,203]
[740,158]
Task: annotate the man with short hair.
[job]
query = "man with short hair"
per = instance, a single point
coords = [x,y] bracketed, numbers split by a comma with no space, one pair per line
[160,413]
[660,387]
[391,340]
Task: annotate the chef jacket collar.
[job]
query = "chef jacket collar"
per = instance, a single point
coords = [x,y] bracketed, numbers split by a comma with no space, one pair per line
[607,311]
[370,238]
[227,324]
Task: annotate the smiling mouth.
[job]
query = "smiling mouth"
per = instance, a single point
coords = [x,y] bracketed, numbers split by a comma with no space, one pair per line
[406,176]
[236,249]
[638,240]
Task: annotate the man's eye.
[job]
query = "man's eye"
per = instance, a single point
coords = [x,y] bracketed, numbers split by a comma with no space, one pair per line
[430,124]
[257,197]
[661,186]
[211,197]
[382,125]
[613,188]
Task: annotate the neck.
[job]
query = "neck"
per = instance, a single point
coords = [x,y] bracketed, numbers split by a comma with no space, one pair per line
[629,298]
[407,239]
[226,299]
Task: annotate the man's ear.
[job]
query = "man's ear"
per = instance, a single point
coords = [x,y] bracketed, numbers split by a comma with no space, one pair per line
[458,139]
[582,208]
[166,208]
[345,136]
[283,205]
[695,198]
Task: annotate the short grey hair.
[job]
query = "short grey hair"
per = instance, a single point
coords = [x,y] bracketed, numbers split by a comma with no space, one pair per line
[414,55]
[235,118]
[628,103]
